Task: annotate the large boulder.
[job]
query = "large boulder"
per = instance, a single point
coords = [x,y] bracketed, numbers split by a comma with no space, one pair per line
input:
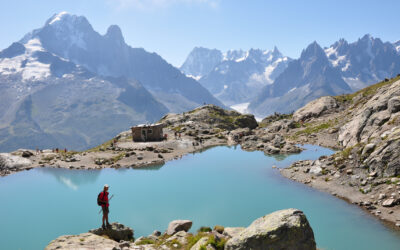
[9,161]
[232,231]
[179,225]
[284,229]
[315,108]
[116,232]
[245,121]
[82,241]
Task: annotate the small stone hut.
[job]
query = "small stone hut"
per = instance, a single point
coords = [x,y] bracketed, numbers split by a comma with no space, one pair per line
[148,132]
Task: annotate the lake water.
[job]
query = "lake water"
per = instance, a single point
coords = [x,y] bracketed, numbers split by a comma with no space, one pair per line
[223,185]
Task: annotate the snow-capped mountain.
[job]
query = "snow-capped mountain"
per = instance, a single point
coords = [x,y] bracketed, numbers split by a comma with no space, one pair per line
[235,76]
[200,62]
[73,38]
[48,101]
[365,61]
[305,79]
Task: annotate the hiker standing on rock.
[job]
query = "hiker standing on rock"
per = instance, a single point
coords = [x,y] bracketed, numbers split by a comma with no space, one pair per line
[102,199]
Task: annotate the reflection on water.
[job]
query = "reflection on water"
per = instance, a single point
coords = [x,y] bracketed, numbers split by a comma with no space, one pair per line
[72,178]
[150,168]
[280,157]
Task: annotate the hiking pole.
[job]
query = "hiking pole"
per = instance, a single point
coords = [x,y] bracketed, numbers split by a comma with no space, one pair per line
[101,209]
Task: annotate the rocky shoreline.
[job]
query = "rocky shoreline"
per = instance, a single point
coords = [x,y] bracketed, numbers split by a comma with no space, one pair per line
[200,129]
[284,229]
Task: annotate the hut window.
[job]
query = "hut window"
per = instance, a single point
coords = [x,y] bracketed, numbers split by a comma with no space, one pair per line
[150,131]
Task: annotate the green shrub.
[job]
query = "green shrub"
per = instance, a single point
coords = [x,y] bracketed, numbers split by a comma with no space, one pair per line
[204,229]
[219,229]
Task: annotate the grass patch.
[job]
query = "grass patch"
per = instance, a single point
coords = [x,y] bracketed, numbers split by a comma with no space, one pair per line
[310,129]
[145,241]
[365,92]
[101,147]
[177,128]
[118,157]
[346,152]
[173,242]
[48,158]
[193,239]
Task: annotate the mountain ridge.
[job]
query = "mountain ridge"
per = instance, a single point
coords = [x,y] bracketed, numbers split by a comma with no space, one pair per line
[236,75]
[73,38]
[304,80]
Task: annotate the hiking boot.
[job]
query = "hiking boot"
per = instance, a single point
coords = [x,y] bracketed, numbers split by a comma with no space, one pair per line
[103,226]
[108,225]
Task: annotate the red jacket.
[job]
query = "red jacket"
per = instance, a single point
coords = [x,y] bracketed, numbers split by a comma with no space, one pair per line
[104,198]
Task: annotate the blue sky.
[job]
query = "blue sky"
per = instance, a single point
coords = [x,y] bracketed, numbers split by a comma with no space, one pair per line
[172,28]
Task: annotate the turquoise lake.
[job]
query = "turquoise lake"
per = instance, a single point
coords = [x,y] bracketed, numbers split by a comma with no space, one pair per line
[223,185]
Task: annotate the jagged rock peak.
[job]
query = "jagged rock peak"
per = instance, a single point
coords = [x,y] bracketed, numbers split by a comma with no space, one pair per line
[366,37]
[312,50]
[276,52]
[342,42]
[114,33]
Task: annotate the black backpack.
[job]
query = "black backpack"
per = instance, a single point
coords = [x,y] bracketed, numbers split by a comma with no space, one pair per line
[99,201]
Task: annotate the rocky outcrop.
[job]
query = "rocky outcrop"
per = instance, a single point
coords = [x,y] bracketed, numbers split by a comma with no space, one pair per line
[270,143]
[212,115]
[178,225]
[12,162]
[82,241]
[315,108]
[116,232]
[385,158]
[284,229]
[371,119]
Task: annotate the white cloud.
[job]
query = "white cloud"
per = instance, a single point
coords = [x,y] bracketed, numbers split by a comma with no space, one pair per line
[151,4]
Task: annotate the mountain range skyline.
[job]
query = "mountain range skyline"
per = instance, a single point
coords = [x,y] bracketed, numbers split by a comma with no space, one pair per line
[251,81]
[294,53]
[173,28]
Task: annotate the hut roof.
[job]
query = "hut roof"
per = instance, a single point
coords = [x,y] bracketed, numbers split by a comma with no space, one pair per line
[148,125]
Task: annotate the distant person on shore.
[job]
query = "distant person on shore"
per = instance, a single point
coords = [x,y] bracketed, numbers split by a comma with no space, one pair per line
[102,199]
